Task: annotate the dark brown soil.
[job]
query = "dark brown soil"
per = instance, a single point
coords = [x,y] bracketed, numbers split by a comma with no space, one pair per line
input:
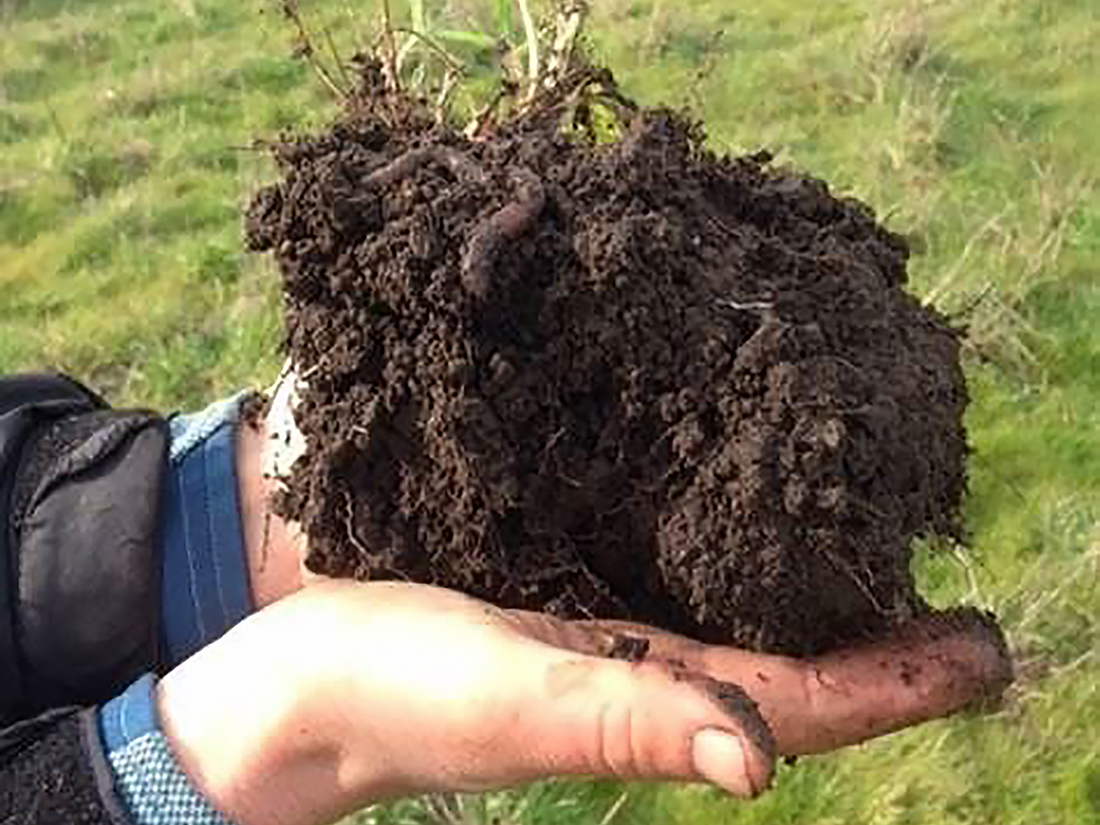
[634,380]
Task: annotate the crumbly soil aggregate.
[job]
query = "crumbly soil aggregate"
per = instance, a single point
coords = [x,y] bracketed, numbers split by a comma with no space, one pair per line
[633,380]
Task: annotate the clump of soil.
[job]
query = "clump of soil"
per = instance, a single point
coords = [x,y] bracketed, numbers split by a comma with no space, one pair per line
[633,380]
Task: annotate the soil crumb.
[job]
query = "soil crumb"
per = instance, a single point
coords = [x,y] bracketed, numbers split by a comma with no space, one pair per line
[633,380]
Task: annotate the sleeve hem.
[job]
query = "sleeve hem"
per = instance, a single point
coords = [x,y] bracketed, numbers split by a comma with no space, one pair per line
[101,769]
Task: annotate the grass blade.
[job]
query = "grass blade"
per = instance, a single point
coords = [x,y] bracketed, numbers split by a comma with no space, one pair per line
[504,17]
[417,16]
[475,39]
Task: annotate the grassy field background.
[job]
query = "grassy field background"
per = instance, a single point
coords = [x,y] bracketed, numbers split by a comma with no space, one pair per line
[973,126]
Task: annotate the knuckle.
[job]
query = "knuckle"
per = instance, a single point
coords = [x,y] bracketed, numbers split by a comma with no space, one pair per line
[617,751]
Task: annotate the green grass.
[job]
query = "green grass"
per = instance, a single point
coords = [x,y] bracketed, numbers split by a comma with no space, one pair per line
[124,164]
[973,126]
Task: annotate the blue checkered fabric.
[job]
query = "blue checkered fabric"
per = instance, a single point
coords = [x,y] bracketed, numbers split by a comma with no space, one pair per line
[204,592]
[147,777]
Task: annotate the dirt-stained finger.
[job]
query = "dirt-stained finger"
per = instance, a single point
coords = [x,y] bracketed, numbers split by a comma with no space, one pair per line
[589,638]
[928,669]
[610,638]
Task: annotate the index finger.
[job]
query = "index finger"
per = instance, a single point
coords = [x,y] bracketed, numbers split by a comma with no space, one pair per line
[925,670]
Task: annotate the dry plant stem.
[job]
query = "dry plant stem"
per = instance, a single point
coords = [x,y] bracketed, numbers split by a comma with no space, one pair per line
[476,128]
[459,165]
[541,80]
[402,53]
[450,81]
[532,35]
[698,98]
[507,224]
[414,36]
[389,48]
[570,22]
[336,61]
[306,50]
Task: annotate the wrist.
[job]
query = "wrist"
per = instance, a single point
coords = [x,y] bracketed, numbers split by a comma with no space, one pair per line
[273,546]
[242,718]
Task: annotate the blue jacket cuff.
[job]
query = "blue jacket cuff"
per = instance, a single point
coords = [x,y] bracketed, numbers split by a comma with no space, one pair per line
[204,576]
[147,777]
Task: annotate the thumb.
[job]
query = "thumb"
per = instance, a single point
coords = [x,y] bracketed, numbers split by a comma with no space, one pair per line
[648,720]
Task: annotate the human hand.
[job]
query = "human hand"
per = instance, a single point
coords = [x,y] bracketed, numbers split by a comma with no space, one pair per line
[345,694]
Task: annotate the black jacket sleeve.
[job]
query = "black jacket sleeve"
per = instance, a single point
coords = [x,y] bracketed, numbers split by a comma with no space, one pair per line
[60,775]
[80,492]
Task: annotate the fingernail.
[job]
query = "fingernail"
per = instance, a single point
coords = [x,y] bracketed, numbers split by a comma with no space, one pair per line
[719,757]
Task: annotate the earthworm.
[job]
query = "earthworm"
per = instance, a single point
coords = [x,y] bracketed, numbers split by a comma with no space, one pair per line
[460,166]
[507,224]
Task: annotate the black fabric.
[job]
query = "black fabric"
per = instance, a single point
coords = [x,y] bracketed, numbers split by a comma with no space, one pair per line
[56,777]
[27,402]
[15,738]
[79,598]
[41,450]
[88,583]
[31,389]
